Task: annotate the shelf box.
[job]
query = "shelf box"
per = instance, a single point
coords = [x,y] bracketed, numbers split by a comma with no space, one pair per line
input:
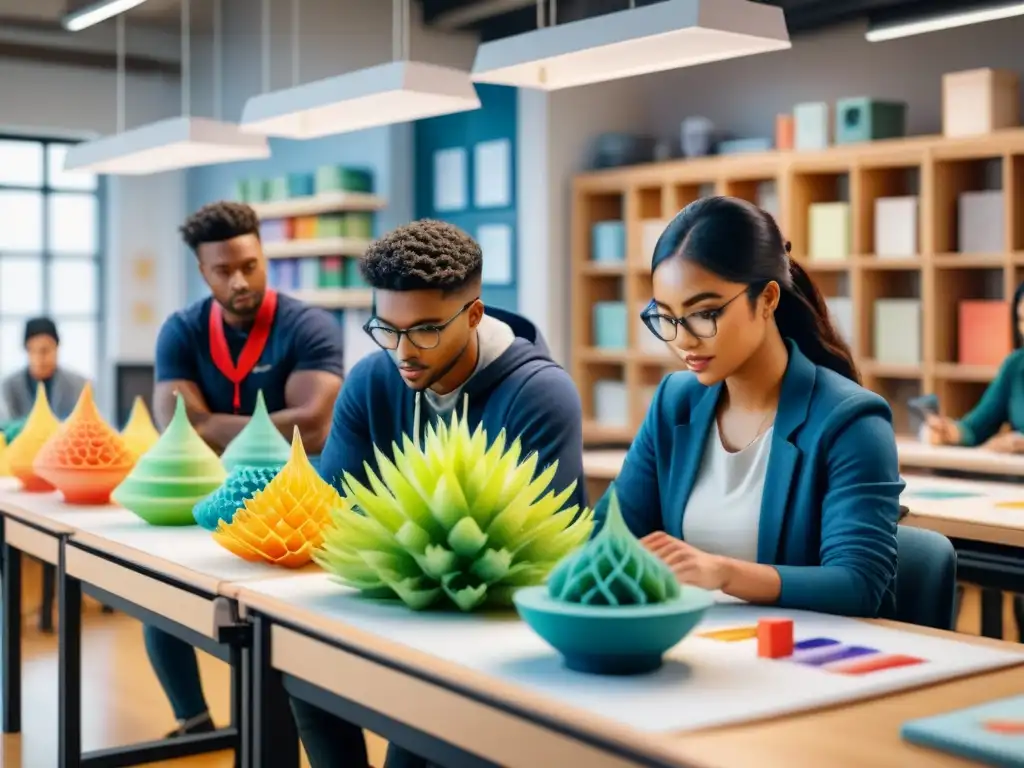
[611,403]
[980,222]
[862,119]
[896,226]
[608,242]
[979,101]
[984,332]
[829,235]
[813,126]
[650,232]
[610,325]
[897,334]
[841,310]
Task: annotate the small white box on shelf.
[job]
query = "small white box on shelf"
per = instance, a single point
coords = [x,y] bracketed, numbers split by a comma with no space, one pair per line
[896,227]
[980,222]
[841,310]
[650,231]
[611,403]
[897,335]
[829,231]
[813,126]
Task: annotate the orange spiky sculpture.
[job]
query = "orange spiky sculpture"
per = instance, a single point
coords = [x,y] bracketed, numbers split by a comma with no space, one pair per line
[139,434]
[283,523]
[86,459]
[40,426]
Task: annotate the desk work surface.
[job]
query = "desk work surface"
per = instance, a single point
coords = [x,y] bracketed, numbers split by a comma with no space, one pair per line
[186,553]
[708,679]
[966,509]
[919,455]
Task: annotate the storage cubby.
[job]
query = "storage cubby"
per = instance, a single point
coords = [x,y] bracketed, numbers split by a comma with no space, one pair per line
[604,397]
[888,220]
[602,294]
[953,286]
[952,303]
[653,217]
[969,207]
[820,224]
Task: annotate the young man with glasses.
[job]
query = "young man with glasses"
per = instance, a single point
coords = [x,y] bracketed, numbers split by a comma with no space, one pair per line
[440,348]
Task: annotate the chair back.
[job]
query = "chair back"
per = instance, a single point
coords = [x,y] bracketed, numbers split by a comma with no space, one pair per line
[925,578]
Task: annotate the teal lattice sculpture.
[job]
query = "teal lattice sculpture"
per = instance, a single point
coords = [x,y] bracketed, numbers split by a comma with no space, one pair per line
[222,504]
[613,569]
[612,608]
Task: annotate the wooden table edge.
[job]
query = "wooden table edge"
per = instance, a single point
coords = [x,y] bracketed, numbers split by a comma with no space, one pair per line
[10,509]
[669,745]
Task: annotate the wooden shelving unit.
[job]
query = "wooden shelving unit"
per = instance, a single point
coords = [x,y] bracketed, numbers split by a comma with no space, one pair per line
[304,248]
[936,169]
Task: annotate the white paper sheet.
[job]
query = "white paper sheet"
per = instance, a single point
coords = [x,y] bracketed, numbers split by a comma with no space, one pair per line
[450,179]
[496,243]
[492,181]
[703,683]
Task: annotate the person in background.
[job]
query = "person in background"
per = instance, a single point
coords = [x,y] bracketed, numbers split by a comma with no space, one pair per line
[1002,404]
[63,387]
[218,353]
[439,346]
[766,471]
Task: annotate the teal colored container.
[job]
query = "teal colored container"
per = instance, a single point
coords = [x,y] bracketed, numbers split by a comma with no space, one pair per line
[301,184]
[276,189]
[255,190]
[610,326]
[864,119]
[608,639]
[241,191]
[353,277]
[336,178]
[608,242]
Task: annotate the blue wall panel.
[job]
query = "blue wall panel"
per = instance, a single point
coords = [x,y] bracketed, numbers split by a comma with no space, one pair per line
[495,120]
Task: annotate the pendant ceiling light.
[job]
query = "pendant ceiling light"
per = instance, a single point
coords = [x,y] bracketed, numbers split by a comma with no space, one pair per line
[666,35]
[173,144]
[397,92]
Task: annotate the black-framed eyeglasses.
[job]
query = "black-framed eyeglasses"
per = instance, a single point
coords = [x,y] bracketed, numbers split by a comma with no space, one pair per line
[420,336]
[703,323]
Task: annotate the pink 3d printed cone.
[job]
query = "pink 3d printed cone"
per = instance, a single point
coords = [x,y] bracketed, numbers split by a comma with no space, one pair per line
[259,444]
[86,459]
[179,470]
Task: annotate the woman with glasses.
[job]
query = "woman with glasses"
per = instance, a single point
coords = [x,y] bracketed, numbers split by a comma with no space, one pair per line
[766,471]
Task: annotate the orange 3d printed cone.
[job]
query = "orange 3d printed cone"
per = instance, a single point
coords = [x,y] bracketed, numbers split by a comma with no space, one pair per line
[86,459]
[39,427]
[139,434]
[5,471]
[284,522]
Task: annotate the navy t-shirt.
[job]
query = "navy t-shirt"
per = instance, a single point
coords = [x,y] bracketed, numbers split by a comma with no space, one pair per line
[302,338]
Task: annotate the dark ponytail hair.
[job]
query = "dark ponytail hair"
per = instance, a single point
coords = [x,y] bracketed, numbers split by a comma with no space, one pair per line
[1018,296]
[741,243]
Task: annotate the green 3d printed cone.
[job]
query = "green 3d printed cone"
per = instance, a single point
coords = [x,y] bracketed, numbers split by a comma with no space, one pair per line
[259,444]
[168,480]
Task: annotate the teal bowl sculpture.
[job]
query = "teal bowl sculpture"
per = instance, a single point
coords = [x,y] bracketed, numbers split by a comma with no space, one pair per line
[612,640]
[612,607]
[222,504]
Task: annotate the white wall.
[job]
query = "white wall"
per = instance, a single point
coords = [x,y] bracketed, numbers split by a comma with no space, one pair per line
[45,99]
[742,96]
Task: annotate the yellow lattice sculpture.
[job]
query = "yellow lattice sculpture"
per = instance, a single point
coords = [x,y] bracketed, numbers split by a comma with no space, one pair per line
[40,426]
[283,524]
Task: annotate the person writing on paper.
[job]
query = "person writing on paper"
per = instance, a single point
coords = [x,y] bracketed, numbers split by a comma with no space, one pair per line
[1001,405]
[218,354]
[765,471]
[441,350]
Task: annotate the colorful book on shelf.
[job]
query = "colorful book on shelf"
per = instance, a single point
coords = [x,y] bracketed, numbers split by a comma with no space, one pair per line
[989,734]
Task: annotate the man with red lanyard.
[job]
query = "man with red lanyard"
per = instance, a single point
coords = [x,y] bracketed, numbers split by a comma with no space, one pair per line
[218,353]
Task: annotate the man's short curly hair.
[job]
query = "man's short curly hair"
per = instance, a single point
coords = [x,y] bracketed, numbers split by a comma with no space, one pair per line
[217,222]
[423,255]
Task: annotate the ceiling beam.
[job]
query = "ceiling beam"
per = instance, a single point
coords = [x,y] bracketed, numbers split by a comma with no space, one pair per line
[69,57]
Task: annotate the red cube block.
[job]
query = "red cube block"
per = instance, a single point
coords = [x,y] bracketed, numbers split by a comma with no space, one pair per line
[774,638]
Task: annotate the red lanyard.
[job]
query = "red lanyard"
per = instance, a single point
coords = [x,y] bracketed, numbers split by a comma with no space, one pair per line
[254,345]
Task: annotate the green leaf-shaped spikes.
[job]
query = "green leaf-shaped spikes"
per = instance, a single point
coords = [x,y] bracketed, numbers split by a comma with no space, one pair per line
[453,518]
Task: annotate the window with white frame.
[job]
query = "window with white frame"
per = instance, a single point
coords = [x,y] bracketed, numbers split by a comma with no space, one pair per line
[51,241]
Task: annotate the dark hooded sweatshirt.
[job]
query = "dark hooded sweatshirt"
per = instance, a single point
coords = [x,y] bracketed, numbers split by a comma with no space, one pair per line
[522,391]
